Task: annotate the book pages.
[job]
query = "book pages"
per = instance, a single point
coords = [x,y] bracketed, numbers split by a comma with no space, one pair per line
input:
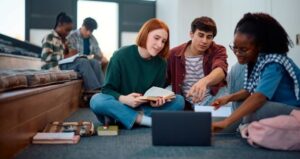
[158,92]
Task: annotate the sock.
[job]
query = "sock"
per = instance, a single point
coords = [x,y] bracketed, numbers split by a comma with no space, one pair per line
[146,121]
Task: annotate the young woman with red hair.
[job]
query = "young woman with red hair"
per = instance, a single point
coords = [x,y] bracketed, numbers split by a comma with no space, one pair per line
[131,71]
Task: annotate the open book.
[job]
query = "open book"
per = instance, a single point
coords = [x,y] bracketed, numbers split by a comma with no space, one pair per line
[70,59]
[154,93]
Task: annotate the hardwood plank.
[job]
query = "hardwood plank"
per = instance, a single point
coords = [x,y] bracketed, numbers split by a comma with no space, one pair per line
[23,113]
[19,137]
[28,105]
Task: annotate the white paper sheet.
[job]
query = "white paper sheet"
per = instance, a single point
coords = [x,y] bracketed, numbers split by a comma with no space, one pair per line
[221,112]
[52,136]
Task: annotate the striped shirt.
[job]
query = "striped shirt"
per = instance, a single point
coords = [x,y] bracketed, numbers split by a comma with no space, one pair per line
[194,72]
[52,50]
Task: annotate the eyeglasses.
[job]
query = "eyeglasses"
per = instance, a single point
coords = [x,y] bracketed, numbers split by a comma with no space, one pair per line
[237,50]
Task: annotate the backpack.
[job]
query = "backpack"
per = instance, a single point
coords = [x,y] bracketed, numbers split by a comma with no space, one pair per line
[280,133]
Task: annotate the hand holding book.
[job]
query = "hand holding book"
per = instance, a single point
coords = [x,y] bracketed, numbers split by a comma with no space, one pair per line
[159,102]
[133,99]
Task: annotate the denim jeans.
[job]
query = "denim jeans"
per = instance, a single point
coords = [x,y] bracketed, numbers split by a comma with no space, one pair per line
[269,109]
[106,105]
[210,98]
[90,70]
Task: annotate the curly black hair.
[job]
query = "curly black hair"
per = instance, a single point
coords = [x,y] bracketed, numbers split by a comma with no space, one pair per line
[269,35]
[61,18]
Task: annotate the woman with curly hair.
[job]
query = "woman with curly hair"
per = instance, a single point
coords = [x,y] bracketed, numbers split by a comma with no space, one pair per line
[271,81]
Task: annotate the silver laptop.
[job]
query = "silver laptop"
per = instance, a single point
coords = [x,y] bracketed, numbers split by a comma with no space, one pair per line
[181,128]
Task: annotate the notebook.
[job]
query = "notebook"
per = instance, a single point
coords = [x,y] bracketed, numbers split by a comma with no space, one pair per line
[224,111]
[56,138]
[181,128]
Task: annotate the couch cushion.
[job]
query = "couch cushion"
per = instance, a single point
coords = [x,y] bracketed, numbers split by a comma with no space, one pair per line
[11,80]
[38,78]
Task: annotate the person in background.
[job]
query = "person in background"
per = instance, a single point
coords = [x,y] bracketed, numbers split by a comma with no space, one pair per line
[197,69]
[131,71]
[55,48]
[82,41]
[271,78]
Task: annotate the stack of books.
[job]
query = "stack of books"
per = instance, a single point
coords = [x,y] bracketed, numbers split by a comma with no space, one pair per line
[56,138]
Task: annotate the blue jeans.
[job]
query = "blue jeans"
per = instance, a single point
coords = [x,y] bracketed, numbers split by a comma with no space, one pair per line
[210,98]
[90,70]
[106,105]
[269,109]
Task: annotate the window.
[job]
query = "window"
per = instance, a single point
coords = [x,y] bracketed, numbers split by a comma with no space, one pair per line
[13,25]
[106,15]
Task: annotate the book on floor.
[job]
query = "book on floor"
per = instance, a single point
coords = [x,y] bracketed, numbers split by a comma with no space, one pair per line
[56,138]
[111,130]
[154,93]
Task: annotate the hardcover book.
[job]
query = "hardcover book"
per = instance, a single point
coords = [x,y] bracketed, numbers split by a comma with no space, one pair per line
[111,130]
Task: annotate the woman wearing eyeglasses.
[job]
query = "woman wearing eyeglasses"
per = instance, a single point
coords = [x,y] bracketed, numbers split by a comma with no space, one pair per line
[271,80]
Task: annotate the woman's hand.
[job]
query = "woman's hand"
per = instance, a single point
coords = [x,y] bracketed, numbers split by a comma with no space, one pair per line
[219,125]
[220,101]
[159,102]
[132,100]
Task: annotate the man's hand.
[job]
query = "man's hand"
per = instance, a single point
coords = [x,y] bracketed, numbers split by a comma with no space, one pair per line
[91,56]
[132,100]
[198,90]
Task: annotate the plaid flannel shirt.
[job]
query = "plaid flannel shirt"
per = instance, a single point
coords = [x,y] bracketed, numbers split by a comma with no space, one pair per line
[52,50]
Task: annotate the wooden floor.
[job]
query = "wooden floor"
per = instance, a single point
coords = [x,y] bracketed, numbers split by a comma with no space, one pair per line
[24,112]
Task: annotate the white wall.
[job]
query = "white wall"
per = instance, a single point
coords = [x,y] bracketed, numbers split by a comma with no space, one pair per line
[166,10]
[178,14]
[288,14]
[12,16]
[107,31]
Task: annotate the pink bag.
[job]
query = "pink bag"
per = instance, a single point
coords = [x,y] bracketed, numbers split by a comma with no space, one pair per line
[280,133]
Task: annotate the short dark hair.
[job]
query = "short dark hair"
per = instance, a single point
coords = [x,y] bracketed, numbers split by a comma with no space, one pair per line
[269,36]
[205,24]
[90,24]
